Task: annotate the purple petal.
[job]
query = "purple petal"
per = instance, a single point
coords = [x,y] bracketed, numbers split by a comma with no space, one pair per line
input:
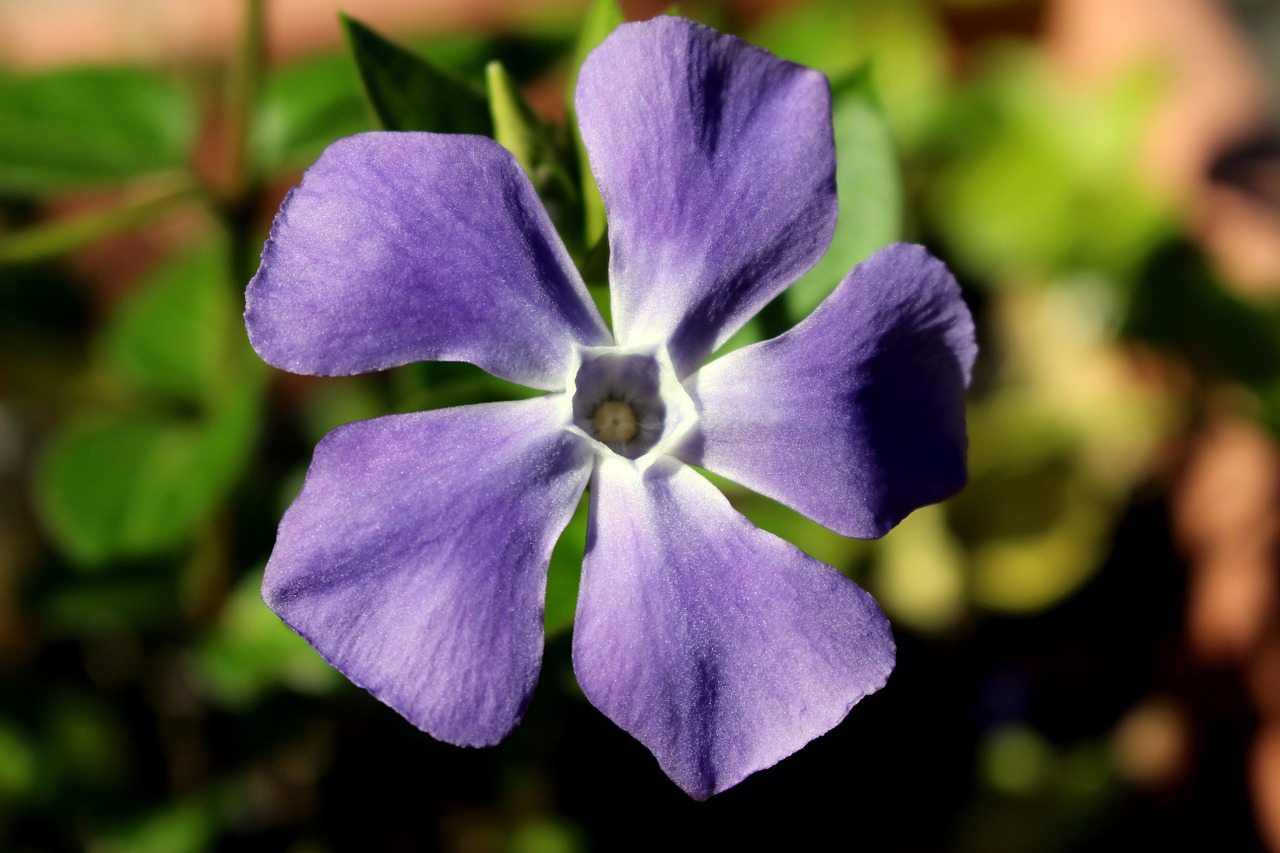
[856,416]
[402,247]
[720,647]
[415,559]
[717,167]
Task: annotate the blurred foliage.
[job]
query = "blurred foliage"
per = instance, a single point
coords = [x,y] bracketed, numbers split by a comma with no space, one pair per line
[903,40]
[249,652]
[869,186]
[141,479]
[303,108]
[151,703]
[601,18]
[140,123]
[1042,177]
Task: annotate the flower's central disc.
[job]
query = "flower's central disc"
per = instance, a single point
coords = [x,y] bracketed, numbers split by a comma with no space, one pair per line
[630,402]
[614,422]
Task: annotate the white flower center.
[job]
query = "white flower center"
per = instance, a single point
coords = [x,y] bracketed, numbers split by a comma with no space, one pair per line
[629,402]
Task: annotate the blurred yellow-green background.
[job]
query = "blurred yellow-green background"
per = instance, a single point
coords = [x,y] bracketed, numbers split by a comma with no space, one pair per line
[1089,634]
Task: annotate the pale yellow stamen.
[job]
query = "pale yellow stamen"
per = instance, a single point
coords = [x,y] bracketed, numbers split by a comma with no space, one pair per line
[614,422]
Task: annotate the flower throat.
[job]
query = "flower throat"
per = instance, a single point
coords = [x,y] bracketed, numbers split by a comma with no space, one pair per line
[629,401]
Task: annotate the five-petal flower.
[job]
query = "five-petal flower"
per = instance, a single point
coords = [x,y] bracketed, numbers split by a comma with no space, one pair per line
[415,557]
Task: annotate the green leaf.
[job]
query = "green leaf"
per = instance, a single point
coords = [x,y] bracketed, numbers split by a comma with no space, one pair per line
[252,652]
[1268,394]
[304,108]
[920,578]
[86,740]
[602,18]
[77,606]
[20,761]
[905,39]
[1180,305]
[538,147]
[515,125]
[565,573]
[782,521]
[173,335]
[1019,154]
[186,826]
[869,187]
[132,486]
[409,93]
[90,126]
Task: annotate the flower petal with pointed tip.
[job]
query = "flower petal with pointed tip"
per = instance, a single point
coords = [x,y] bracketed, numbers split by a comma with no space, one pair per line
[403,247]
[856,416]
[415,558]
[720,647]
[716,162]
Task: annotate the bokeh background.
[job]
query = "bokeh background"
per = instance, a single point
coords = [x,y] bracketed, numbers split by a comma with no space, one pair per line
[1089,635]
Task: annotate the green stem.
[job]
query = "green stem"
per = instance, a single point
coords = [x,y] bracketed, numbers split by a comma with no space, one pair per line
[243,88]
[242,183]
[56,238]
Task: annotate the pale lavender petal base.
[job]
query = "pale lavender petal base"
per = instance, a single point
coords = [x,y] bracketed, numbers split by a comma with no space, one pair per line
[717,166]
[415,558]
[720,647]
[403,247]
[856,416]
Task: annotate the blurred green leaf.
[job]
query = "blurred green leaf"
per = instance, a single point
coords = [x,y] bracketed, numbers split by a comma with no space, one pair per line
[545,835]
[304,108]
[187,826]
[566,572]
[90,126]
[407,92]
[1269,397]
[122,485]
[342,400]
[439,384]
[109,487]
[1035,533]
[869,187]
[920,578]
[128,486]
[752,332]
[172,336]
[1017,760]
[19,763]
[80,605]
[904,39]
[602,18]
[1024,155]
[782,521]
[1037,788]
[87,739]
[1179,305]
[251,652]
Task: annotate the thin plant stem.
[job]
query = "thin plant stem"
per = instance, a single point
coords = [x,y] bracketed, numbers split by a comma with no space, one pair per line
[56,238]
[243,91]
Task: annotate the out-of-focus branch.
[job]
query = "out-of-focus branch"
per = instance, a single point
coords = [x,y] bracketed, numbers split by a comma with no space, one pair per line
[243,87]
[56,238]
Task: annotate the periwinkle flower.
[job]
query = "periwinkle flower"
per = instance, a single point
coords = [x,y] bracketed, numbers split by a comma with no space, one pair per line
[415,557]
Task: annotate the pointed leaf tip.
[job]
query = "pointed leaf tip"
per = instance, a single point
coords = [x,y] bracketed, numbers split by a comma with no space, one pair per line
[408,92]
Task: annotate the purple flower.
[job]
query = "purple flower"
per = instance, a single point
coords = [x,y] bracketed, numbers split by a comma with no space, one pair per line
[415,558]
